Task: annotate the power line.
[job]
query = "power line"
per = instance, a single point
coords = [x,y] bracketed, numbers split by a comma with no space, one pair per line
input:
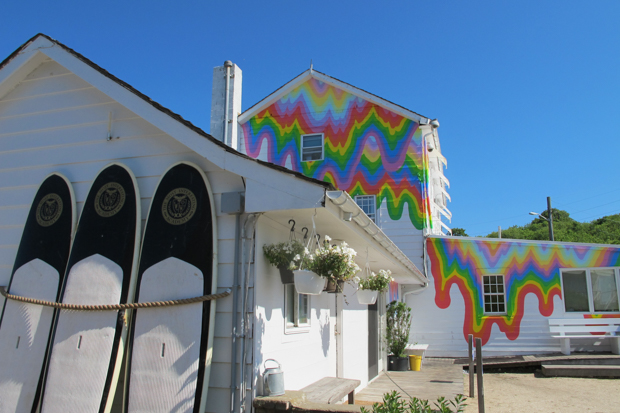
[598,206]
[588,198]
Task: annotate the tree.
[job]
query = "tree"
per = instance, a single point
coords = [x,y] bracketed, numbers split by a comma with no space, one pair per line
[605,230]
[459,232]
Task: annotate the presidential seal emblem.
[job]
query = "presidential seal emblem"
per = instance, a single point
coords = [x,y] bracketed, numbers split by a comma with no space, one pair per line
[179,206]
[109,199]
[49,210]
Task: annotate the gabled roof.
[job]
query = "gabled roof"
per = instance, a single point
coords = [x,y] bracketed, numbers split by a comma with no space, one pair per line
[45,44]
[314,74]
[41,47]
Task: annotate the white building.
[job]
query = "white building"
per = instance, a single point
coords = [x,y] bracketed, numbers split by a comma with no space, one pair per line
[61,112]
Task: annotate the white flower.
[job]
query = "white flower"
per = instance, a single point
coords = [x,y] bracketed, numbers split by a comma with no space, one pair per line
[328,238]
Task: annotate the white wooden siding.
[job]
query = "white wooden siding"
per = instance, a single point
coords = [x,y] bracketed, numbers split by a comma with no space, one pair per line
[55,121]
[407,238]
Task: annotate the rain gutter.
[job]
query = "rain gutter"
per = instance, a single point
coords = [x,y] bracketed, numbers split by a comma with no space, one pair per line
[343,200]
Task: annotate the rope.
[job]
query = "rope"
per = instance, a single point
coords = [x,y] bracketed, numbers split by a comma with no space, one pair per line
[111,307]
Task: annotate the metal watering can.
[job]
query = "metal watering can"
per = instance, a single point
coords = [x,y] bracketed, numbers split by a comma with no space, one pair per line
[273,380]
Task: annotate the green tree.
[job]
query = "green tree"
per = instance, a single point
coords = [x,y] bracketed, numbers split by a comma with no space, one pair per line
[459,232]
[605,230]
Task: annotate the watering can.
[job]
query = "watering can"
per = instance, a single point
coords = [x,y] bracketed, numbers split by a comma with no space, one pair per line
[273,380]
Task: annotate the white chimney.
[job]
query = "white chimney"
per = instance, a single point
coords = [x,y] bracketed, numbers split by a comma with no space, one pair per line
[226,89]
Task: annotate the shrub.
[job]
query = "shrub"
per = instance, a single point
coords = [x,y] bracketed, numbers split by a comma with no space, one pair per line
[394,403]
[398,325]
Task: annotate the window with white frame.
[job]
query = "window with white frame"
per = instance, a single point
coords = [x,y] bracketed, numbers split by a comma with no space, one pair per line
[312,147]
[368,203]
[296,308]
[590,290]
[494,294]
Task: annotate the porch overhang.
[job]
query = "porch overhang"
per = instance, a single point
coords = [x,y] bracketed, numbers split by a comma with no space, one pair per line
[360,232]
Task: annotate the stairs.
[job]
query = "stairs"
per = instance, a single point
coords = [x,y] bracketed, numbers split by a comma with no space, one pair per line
[598,368]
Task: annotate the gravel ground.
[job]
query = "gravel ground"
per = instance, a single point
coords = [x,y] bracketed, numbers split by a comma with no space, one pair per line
[534,393]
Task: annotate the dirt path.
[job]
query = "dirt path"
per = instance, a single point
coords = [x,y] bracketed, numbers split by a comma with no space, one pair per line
[534,393]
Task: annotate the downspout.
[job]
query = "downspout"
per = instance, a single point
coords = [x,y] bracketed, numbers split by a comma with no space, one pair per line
[426,201]
[227,64]
[233,361]
[244,299]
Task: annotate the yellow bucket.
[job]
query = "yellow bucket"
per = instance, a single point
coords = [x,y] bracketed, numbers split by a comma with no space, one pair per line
[415,363]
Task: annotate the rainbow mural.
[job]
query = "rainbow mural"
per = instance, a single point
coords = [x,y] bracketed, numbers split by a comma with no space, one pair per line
[527,268]
[368,150]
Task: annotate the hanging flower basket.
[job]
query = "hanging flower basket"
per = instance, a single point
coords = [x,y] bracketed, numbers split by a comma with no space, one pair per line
[370,286]
[334,286]
[281,255]
[286,276]
[368,297]
[308,282]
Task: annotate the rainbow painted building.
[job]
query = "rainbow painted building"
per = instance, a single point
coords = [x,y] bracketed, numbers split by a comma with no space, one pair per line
[389,160]
[371,148]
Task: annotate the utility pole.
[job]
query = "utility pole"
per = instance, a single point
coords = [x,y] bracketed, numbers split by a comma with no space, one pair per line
[550,220]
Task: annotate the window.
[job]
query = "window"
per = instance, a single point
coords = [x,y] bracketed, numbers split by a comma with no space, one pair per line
[494,296]
[368,203]
[312,147]
[590,290]
[296,308]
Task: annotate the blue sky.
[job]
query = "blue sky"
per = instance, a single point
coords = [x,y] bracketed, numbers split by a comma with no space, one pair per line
[527,92]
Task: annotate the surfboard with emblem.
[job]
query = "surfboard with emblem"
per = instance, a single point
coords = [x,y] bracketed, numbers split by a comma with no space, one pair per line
[87,346]
[38,273]
[171,347]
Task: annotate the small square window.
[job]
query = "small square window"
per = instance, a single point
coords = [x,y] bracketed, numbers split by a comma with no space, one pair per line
[296,308]
[368,203]
[494,298]
[312,147]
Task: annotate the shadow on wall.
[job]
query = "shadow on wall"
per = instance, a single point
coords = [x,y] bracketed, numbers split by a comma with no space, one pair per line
[325,334]
[259,359]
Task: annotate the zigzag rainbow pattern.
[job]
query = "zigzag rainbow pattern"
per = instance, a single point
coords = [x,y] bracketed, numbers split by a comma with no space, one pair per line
[527,268]
[368,150]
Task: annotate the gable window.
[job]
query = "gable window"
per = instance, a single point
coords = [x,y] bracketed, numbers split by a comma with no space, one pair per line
[312,147]
[494,295]
[368,203]
[590,290]
[296,308]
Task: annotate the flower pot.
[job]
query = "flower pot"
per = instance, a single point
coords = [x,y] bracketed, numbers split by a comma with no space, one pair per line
[367,296]
[334,287]
[396,363]
[415,363]
[308,282]
[286,276]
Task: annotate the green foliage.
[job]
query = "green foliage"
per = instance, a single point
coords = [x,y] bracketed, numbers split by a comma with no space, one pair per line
[375,282]
[394,403]
[398,325]
[605,230]
[283,253]
[459,232]
[335,262]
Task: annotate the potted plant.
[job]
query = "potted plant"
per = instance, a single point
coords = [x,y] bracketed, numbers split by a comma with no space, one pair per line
[281,255]
[397,335]
[370,287]
[336,263]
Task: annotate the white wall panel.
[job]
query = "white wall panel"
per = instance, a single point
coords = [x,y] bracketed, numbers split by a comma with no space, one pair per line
[54,121]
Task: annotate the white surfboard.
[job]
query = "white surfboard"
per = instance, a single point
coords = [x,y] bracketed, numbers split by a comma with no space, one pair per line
[39,269]
[88,347]
[170,357]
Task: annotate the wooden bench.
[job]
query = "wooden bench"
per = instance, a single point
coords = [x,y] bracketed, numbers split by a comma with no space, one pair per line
[331,390]
[567,328]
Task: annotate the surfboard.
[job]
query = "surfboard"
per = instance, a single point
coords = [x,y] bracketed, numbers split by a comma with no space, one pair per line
[38,273]
[87,347]
[170,347]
